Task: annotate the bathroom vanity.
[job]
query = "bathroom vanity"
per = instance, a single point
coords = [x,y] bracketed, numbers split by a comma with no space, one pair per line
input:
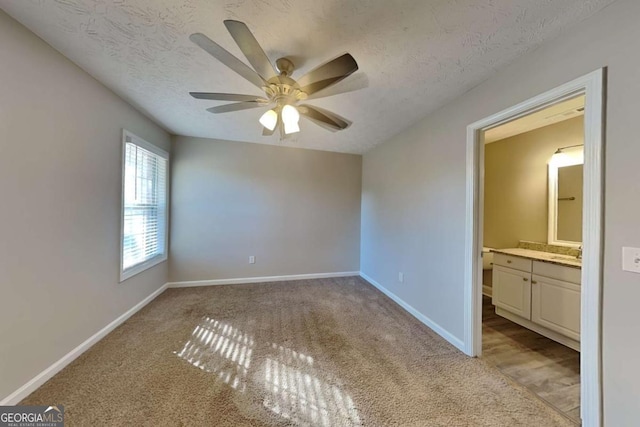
[540,291]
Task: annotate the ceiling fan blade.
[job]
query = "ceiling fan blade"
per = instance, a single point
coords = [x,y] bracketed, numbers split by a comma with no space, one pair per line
[323,117]
[228,97]
[340,67]
[227,108]
[267,132]
[227,59]
[321,84]
[356,81]
[251,48]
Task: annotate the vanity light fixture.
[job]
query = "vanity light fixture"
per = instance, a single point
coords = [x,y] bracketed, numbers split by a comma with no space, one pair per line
[568,156]
[559,150]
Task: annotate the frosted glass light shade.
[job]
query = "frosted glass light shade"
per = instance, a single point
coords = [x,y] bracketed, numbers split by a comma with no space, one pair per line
[269,119]
[290,117]
[291,127]
[290,114]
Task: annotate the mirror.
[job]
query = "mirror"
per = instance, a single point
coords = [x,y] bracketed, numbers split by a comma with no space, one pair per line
[565,198]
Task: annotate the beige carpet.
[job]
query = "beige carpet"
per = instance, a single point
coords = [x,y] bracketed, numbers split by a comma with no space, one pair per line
[327,352]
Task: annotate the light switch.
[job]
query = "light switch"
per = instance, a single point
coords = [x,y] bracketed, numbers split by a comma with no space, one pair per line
[631,259]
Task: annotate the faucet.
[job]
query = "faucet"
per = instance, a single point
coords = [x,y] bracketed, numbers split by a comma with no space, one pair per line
[579,256]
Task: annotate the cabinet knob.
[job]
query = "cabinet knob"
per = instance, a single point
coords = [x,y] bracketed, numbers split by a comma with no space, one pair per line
[534,282]
[508,261]
[525,279]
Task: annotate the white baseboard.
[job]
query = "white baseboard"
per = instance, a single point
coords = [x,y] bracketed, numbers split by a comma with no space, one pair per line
[56,367]
[188,284]
[15,397]
[487,290]
[456,342]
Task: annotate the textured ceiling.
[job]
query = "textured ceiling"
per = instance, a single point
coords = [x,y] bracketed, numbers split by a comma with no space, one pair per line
[414,55]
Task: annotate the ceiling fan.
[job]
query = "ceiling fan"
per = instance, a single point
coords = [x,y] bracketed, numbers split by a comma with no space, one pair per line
[282,92]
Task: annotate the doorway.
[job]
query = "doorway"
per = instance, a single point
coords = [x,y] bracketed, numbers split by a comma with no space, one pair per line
[591,87]
[531,252]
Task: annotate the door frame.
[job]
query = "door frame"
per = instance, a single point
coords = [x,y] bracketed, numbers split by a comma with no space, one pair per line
[592,86]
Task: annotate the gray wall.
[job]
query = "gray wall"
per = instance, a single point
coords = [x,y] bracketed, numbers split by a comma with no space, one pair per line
[60,155]
[516,183]
[297,211]
[413,203]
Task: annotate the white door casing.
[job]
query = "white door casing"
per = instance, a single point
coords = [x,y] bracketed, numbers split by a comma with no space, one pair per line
[592,86]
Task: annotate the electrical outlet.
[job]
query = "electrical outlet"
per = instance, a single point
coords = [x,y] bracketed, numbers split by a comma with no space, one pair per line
[401,277]
[252,259]
[631,259]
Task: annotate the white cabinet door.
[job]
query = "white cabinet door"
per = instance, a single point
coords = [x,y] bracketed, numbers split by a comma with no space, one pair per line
[556,305]
[512,291]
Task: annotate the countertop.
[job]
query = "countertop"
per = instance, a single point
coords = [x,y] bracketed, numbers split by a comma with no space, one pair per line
[549,257]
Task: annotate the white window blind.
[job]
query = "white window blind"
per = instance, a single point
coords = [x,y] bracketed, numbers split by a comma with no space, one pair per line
[144,216]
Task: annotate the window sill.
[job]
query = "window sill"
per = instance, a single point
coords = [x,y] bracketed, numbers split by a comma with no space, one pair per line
[139,268]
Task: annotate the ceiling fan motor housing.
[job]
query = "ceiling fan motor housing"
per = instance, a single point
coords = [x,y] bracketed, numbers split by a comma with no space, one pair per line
[284,66]
[284,90]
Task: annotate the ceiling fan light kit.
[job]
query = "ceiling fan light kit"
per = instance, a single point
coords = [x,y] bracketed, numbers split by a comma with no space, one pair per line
[290,128]
[269,119]
[290,118]
[282,92]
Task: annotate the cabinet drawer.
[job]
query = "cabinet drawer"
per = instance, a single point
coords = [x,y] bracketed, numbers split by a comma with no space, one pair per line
[559,272]
[512,291]
[509,261]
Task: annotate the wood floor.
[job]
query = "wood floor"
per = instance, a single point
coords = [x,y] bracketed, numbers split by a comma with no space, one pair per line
[548,369]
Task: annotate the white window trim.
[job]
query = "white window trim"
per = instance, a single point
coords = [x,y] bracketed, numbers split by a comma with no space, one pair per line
[128,137]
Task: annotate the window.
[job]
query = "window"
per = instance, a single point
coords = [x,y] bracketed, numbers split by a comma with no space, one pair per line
[144,206]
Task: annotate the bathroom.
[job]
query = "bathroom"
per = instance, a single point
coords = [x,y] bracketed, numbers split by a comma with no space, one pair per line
[532,232]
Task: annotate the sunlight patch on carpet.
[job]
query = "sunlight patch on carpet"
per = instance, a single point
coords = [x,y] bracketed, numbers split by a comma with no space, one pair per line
[222,349]
[298,394]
